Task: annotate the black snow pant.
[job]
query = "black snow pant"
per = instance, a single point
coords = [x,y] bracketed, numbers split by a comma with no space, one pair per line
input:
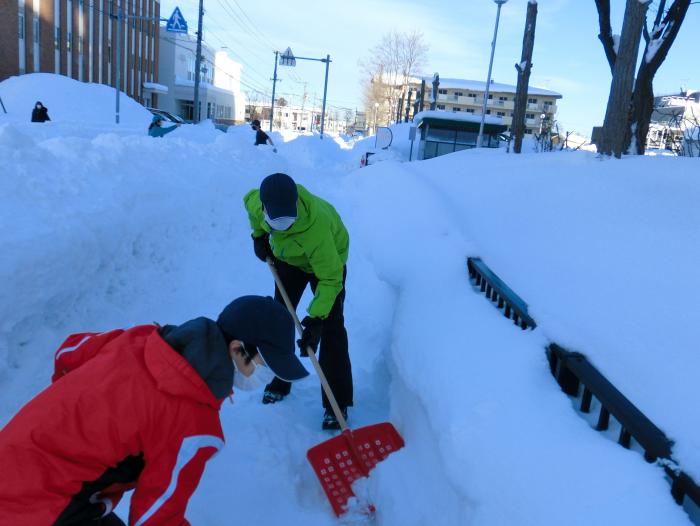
[333,353]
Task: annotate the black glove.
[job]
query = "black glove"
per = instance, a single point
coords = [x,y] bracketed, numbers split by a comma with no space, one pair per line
[262,248]
[311,336]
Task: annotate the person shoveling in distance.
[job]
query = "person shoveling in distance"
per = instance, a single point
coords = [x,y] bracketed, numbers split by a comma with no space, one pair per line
[309,243]
[137,409]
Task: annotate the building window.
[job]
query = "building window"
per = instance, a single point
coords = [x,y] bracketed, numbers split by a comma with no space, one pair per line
[442,91]
[529,115]
[472,95]
[502,98]
[488,112]
[36,30]
[21,26]
[459,94]
[455,110]
[441,106]
[501,113]
[528,131]
[469,110]
[532,101]
[490,96]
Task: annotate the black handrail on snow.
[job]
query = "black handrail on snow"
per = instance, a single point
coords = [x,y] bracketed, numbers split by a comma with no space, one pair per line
[496,290]
[573,370]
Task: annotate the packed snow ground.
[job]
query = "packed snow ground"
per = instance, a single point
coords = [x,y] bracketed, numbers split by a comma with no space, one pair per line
[105,227]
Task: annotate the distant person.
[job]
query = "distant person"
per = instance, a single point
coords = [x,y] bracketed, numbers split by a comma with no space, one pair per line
[309,245]
[261,137]
[156,129]
[40,113]
[137,409]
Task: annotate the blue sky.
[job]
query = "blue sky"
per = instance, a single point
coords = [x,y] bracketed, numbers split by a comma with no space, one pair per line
[568,58]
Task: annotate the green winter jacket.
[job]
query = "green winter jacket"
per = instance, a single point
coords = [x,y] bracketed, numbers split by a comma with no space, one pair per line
[317,243]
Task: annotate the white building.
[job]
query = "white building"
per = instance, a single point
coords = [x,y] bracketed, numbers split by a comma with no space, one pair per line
[220,80]
[674,123]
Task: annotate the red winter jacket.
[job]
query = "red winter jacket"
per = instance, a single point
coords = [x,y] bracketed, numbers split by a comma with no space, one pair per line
[126,393]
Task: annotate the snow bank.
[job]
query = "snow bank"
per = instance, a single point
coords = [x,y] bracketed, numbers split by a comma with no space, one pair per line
[67,100]
[106,228]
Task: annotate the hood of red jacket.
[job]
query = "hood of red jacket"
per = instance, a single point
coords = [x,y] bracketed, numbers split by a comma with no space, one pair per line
[174,375]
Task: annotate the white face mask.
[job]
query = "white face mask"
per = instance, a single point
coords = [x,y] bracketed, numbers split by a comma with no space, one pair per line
[260,377]
[280,223]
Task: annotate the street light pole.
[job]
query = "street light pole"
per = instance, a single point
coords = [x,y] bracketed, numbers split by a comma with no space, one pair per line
[479,140]
[325,90]
[119,61]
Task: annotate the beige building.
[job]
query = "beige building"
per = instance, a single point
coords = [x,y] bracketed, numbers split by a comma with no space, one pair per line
[459,95]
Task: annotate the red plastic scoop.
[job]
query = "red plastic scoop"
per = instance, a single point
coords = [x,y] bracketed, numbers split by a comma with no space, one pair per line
[343,459]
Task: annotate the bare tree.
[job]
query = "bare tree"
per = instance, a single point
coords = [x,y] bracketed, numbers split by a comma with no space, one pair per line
[658,41]
[391,64]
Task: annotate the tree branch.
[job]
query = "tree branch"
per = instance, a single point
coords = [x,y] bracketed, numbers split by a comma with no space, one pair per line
[605,35]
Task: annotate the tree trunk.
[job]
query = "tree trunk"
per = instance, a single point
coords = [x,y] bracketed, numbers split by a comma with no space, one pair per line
[524,68]
[617,115]
[662,38]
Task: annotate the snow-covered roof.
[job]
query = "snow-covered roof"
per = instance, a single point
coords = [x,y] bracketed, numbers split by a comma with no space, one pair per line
[480,85]
[455,116]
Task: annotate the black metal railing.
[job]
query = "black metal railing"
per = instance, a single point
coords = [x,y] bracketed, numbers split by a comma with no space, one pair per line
[577,377]
[497,291]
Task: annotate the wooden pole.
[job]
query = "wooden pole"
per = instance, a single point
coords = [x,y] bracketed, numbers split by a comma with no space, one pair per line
[524,68]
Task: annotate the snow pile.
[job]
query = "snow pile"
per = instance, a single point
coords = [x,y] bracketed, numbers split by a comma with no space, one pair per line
[67,100]
[104,228]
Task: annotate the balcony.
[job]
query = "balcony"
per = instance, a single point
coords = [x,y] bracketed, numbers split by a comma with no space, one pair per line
[505,104]
[533,106]
[530,122]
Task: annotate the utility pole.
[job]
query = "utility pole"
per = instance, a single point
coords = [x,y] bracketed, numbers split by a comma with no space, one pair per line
[325,90]
[198,64]
[274,85]
[434,96]
[524,69]
[408,104]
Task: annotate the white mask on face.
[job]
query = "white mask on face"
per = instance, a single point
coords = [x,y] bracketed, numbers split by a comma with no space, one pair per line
[280,223]
[260,377]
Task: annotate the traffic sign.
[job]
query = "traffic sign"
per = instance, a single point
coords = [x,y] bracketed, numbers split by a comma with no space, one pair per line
[287,58]
[176,23]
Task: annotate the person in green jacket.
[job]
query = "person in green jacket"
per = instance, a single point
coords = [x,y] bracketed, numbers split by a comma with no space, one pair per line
[157,130]
[309,244]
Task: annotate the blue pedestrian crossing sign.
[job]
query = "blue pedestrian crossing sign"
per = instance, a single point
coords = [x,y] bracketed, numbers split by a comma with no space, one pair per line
[176,22]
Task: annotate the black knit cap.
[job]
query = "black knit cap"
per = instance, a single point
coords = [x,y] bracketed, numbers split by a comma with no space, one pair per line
[264,323]
[278,193]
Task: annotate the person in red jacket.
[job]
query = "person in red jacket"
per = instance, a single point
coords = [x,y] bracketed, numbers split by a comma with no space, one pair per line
[137,409]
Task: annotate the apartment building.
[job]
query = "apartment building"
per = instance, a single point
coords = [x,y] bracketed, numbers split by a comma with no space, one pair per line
[459,95]
[675,120]
[77,38]
[220,95]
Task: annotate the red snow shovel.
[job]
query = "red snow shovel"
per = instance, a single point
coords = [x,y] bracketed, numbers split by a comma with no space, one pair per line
[341,460]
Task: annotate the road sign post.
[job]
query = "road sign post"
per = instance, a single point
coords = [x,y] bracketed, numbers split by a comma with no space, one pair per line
[288,59]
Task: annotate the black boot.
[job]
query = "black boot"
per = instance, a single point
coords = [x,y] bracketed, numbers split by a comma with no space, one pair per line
[330,422]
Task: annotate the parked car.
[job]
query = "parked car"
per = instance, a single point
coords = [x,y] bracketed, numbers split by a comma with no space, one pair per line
[167,116]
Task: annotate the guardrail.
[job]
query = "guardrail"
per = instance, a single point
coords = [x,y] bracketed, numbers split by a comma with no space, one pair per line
[578,378]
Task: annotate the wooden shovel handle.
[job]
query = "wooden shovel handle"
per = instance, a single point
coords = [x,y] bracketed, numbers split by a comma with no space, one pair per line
[309,350]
